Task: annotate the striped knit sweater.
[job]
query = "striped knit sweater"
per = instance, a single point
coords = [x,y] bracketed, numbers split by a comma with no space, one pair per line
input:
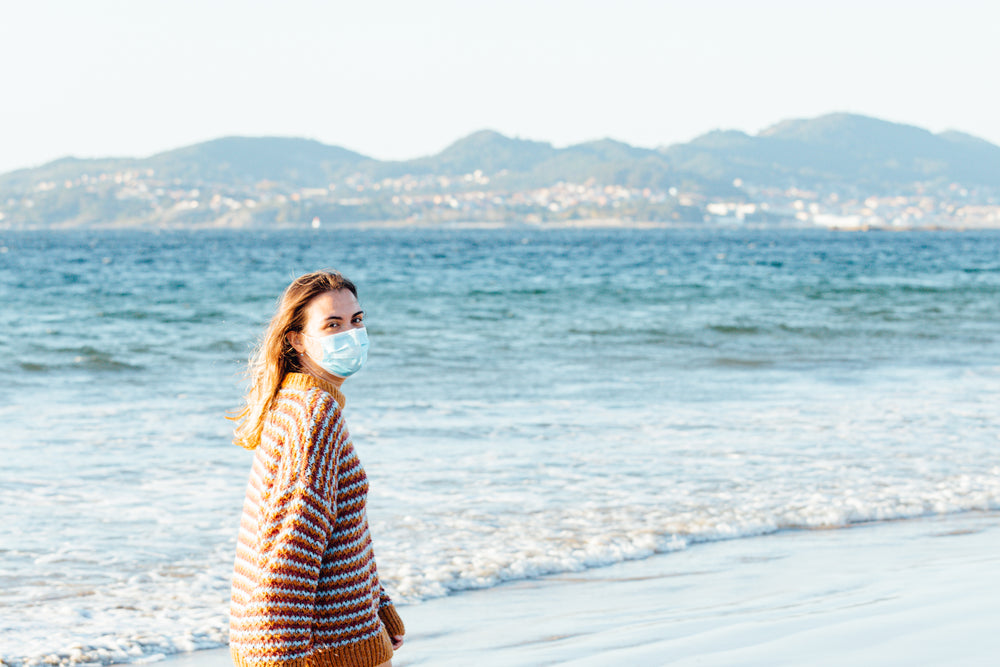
[305,589]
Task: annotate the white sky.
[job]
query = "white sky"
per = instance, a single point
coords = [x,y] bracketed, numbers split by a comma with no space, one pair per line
[399,79]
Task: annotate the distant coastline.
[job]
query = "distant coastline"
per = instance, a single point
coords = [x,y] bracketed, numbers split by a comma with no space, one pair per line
[595,224]
[838,171]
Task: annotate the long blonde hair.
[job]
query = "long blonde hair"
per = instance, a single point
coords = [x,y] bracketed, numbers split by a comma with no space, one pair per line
[274,357]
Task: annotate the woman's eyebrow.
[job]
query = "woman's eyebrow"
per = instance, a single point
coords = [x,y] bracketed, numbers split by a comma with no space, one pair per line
[338,317]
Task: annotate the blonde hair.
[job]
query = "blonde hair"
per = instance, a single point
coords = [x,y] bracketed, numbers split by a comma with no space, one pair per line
[274,357]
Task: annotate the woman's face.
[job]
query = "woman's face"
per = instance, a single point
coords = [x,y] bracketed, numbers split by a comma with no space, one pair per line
[327,314]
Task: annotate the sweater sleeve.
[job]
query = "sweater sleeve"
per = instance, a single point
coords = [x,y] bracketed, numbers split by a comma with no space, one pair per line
[387,614]
[296,523]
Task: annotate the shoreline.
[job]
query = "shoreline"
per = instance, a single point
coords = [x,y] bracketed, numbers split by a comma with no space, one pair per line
[917,591]
[458,225]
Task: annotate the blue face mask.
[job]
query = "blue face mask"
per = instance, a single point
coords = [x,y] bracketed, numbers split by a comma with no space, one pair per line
[344,353]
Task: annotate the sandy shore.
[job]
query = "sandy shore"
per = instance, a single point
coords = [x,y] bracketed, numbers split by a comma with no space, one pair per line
[921,592]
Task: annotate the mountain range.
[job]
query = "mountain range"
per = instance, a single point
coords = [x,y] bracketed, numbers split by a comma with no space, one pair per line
[827,153]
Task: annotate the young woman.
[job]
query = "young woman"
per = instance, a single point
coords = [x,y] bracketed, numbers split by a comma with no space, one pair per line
[306,592]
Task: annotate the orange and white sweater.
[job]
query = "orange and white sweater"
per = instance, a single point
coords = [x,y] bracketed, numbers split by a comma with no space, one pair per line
[305,589]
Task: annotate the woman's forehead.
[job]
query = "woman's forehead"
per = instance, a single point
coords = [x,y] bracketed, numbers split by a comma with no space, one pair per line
[335,302]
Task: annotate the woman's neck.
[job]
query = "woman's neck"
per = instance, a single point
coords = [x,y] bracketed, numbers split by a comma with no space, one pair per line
[307,365]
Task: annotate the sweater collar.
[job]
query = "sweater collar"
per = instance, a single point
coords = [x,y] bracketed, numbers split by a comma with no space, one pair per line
[306,381]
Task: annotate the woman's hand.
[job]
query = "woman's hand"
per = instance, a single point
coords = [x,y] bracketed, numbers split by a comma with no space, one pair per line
[397,641]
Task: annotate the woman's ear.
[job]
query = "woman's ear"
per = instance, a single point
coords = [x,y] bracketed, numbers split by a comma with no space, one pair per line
[294,339]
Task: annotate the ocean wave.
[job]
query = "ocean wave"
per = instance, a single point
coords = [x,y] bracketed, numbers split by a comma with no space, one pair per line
[34,367]
[91,359]
[460,571]
[84,359]
[738,362]
[737,329]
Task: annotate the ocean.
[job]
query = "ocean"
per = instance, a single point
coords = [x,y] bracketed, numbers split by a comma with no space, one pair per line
[536,401]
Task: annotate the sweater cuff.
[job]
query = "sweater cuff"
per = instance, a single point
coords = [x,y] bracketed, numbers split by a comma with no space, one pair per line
[391,620]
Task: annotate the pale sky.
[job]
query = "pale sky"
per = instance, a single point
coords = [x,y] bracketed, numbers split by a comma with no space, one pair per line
[400,79]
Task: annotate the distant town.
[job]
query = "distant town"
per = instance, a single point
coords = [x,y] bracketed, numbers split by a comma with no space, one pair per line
[140,198]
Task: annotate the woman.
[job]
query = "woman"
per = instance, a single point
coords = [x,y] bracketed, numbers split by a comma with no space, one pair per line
[305,590]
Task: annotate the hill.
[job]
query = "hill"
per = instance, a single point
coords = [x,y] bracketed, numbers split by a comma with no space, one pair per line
[840,149]
[487,151]
[247,161]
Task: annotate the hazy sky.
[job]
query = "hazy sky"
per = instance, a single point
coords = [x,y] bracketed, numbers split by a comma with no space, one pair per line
[399,79]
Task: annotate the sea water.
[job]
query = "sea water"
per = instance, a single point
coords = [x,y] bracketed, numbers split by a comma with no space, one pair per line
[536,401]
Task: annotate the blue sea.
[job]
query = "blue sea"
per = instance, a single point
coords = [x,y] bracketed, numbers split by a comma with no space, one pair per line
[536,401]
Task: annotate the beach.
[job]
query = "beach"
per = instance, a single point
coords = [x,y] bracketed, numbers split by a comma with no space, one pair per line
[916,592]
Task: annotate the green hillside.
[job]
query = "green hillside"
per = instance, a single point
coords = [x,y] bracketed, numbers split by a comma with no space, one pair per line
[281,180]
[840,148]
